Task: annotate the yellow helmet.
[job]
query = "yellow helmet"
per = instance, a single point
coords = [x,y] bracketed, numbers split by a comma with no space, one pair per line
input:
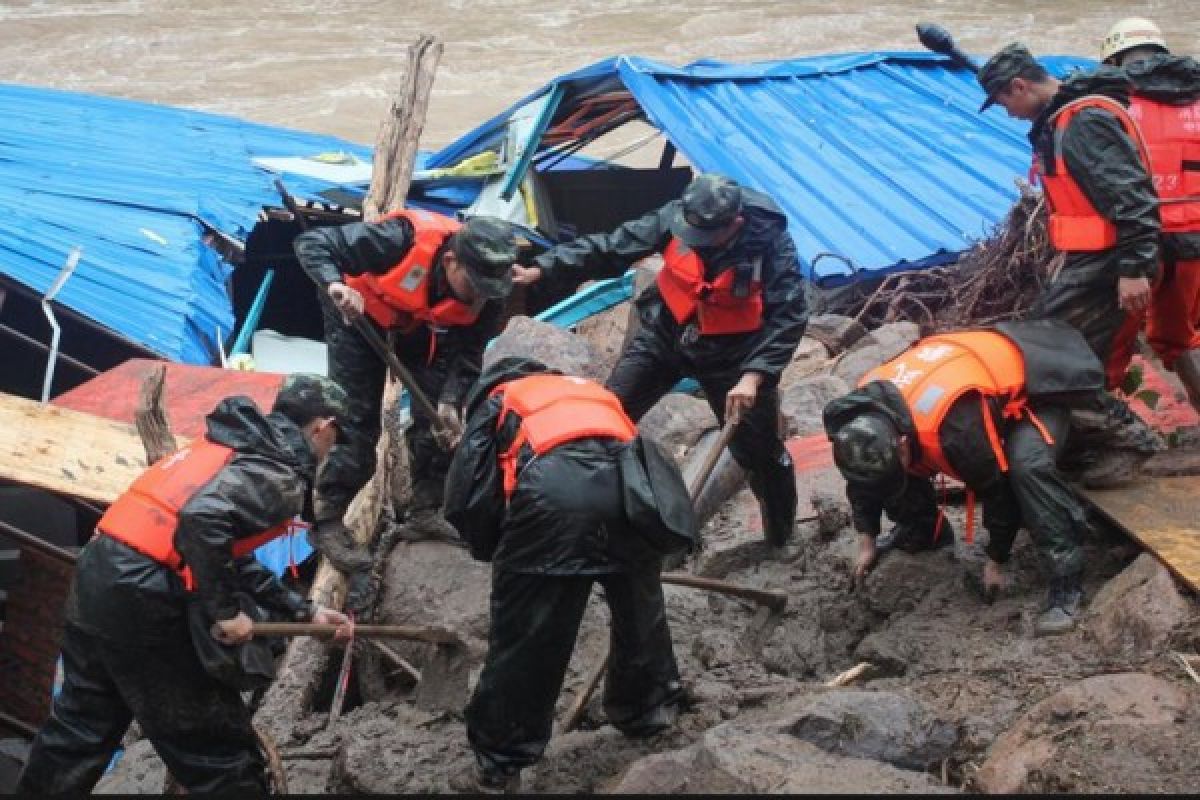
[1129,33]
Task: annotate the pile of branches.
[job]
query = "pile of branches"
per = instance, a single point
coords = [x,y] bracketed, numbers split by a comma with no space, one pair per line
[997,279]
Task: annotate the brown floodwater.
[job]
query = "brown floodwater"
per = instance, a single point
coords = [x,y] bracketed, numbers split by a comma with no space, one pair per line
[331,66]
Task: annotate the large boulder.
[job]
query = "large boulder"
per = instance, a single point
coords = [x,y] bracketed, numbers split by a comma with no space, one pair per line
[803,402]
[880,345]
[553,346]
[677,422]
[1090,717]
[835,332]
[881,726]
[1135,612]
[810,356]
[733,758]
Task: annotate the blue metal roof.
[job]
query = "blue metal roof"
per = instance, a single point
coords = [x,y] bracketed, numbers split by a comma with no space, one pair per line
[131,183]
[879,158]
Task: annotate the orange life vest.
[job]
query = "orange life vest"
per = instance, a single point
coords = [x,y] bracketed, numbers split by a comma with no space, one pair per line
[399,298]
[1075,225]
[1172,136]
[146,515]
[556,409]
[937,371]
[717,309]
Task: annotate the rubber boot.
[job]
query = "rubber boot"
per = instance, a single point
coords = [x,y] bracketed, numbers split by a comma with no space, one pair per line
[1187,367]
[776,495]
[1063,604]
[486,779]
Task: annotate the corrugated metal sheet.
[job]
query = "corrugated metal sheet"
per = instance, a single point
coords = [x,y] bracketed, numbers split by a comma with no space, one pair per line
[879,158]
[131,183]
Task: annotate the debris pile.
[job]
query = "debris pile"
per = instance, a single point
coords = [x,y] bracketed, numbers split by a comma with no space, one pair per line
[995,280]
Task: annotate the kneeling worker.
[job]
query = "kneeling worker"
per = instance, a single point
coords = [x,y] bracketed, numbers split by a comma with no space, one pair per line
[989,408]
[540,487]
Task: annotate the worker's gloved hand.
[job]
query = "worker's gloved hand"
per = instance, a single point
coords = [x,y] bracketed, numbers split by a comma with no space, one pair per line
[525,276]
[449,429]
[1133,294]
[233,631]
[347,300]
[329,616]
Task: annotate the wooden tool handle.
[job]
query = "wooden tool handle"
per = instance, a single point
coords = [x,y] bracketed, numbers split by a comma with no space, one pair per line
[415,633]
[774,599]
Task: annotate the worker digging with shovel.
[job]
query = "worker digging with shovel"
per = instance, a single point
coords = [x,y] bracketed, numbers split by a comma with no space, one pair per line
[435,289]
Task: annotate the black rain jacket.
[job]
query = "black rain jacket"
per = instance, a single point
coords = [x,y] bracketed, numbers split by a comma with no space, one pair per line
[566,516]
[764,235]
[1105,163]
[327,254]
[121,595]
[1059,368]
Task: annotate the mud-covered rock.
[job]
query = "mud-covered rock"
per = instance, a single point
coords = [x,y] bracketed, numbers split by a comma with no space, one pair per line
[553,346]
[677,422]
[731,758]
[836,332]
[803,402]
[1027,757]
[881,726]
[900,580]
[833,512]
[810,357]
[1136,611]
[880,345]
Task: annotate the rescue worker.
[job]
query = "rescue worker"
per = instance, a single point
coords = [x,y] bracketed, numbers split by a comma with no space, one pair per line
[989,408]
[1165,102]
[438,287]
[184,534]
[536,487]
[1092,165]
[727,309]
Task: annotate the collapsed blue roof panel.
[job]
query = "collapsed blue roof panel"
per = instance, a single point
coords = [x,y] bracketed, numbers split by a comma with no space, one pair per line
[878,158]
[134,185]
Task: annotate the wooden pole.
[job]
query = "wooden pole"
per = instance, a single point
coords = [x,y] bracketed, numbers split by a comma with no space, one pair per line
[150,418]
[400,133]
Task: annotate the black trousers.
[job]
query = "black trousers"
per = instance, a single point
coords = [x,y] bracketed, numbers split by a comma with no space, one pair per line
[1033,493]
[200,728]
[534,622]
[357,368]
[653,364]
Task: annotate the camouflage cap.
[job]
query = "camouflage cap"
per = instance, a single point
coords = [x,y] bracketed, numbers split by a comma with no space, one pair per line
[304,397]
[487,247]
[709,204]
[1009,62]
[867,450]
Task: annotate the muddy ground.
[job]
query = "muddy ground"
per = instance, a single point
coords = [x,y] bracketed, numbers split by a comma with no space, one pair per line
[952,680]
[959,695]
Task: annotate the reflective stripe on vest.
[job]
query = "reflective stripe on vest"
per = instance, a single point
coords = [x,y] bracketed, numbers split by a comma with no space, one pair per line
[399,298]
[1075,225]
[1172,135]
[717,309]
[145,517]
[556,409]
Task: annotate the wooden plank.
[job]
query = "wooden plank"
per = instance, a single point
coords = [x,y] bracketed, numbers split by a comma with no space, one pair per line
[67,451]
[1163,515]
